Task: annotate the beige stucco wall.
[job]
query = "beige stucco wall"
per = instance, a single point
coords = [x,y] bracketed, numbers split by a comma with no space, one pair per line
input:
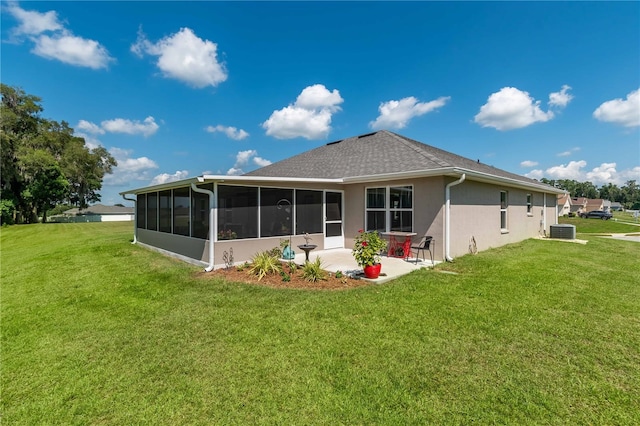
[475,212]
[195,248]
[428,198]
[245,249]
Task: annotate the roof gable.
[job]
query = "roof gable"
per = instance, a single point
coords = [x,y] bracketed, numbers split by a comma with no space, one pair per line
[564,199]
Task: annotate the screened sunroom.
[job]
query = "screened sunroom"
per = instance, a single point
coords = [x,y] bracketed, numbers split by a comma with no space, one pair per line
[246,218]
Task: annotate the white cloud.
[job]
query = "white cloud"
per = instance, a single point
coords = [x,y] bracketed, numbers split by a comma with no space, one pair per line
[396,114]
[32,22]
[186,57]
[231,132]
[629,174]
[73,50]
[309,117]
[625,112]
[566,171]
[261,162]
[166,177]
[601,175]
[89,127]
[510,108]
[61,45]
[535,174]
[90,141]
[234,172]
[568,153]
[528,163]
[243,158]
[560,99]
[317,96]
[120,125]
[129,169]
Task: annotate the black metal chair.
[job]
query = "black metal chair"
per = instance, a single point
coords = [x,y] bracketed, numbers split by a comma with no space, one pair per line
[425,244]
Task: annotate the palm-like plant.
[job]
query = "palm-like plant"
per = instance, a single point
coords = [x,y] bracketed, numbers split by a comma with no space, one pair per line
[264,263]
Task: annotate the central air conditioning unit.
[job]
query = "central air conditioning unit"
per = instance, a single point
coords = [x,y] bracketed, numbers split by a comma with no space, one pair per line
[563,231]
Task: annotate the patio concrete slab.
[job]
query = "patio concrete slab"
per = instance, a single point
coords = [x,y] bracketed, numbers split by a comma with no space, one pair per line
[334,260]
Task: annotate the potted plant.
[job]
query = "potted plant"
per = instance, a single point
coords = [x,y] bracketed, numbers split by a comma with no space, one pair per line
[366,250]
[227,234]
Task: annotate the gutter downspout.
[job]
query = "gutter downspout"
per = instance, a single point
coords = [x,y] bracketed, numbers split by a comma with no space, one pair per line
[209,268]
[447,217]
[544,214]
[135,217]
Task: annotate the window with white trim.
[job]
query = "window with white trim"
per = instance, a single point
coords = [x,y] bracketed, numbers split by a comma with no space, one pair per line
[376,209]
[504,205]
[401,208]
[529,205]
[389,209]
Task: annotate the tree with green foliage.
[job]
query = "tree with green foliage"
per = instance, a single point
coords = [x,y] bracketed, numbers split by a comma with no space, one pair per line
[628,195]
[42,162]
[611,192]
[48,188]
[631,193]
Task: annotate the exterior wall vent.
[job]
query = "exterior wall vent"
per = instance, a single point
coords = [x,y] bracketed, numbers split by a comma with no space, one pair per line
[563,231]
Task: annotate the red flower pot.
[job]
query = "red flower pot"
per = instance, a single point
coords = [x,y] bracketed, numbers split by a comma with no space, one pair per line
[372,271]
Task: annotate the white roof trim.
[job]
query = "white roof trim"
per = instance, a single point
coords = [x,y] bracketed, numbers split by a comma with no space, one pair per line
[488,178]
[225,178]
[455,172]
[162,186]
[444,171]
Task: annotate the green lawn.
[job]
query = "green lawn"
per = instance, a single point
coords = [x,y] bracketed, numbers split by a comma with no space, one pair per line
[618,225]
[98,331]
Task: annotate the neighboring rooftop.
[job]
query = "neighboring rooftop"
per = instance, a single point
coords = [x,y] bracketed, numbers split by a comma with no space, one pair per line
[376,153]
[99,209]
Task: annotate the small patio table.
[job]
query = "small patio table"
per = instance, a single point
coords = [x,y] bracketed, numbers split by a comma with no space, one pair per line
[399,243]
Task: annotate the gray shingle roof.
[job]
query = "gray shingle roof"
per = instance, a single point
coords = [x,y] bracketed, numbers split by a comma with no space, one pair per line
[377,153]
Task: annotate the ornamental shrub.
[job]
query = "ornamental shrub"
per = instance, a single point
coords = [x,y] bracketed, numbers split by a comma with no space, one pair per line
[367,248]
[313,272]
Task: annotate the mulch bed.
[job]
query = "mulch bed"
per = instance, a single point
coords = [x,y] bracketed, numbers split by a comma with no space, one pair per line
[275,281]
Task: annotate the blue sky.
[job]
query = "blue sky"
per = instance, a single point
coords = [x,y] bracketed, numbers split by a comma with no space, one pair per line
[178,89]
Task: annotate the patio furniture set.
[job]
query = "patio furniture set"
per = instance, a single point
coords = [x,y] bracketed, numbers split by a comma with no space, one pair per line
[401,246]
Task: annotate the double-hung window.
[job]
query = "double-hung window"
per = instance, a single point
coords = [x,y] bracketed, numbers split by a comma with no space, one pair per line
[529,205]
[376,209]
[401,208]
[504,204]
[389,209]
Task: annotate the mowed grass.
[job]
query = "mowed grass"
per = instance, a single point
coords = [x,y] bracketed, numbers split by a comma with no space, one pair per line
[98,331]
[621,223]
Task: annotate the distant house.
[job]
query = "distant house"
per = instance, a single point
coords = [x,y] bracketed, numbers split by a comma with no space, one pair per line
[379,181]
[579,205]
[594,204]
[564,204]
[616,206]
[96,213]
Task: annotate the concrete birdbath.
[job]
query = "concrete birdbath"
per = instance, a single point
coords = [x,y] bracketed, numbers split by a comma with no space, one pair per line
[307,247]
